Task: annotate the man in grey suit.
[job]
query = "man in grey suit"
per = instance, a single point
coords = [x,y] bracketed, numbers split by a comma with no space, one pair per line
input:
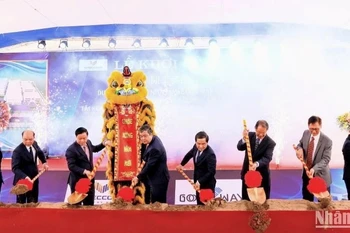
[315,148]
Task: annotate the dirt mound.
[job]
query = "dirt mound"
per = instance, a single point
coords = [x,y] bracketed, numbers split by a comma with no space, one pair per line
[214,205]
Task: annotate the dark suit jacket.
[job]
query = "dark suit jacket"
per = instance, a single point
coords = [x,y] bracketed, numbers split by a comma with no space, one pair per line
[262,155]
[346,154]
[156,168]
[78,161]
[204,168]
[1,179]
[23,164]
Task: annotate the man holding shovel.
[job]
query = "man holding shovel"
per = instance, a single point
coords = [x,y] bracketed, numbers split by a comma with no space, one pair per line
[262,147]
[79,156]
[25,165]
[315,148]
[204,160]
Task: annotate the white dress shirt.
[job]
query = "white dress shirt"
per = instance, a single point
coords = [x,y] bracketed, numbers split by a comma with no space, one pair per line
[197,155]
[34,151]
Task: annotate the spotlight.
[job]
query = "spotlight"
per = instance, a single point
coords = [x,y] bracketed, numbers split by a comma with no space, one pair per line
[86,43]
[63,44]
[189,43]
[41,44]
[213,42]
[112,43]
[164,43]
[137,43]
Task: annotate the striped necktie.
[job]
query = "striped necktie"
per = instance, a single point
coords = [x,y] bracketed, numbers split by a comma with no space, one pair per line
[86,150]
[257,142]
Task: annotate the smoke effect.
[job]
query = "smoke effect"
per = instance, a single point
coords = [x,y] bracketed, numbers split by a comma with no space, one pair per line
[283,77]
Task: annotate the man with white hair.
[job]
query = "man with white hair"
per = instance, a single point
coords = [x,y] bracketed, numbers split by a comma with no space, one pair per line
[24,165]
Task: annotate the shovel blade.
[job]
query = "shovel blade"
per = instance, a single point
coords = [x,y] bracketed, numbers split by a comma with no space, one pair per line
[322,195]
[76,197]
[257,195]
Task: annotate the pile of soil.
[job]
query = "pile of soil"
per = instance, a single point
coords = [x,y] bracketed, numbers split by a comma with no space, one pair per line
[215,205]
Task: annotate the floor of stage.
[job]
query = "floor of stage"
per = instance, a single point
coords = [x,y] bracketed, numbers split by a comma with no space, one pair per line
[53,220]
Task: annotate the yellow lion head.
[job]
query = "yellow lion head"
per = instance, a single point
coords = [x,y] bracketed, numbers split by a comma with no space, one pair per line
[126,87]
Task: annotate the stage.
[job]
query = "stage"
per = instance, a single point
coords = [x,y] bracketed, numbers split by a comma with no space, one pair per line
[285,184]
[230,217]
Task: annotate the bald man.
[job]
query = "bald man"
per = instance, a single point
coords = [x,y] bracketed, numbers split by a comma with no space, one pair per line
[24,165]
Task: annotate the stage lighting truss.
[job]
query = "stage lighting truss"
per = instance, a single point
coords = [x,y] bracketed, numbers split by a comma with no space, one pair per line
[143,43]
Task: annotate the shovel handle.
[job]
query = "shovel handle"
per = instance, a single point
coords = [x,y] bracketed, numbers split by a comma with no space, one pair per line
[249,150]
[98,163]
[188,179]
[303,163]
[141,165]
[37,176]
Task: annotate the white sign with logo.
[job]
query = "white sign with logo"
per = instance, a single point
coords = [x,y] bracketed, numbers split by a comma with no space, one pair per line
[227,189]
[93,65]
[102,195]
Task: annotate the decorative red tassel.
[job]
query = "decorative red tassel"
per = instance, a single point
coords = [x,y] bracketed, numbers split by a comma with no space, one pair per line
[317,185]
[83,185]
[27,183]
[253,179]
[206,195]
[126,193]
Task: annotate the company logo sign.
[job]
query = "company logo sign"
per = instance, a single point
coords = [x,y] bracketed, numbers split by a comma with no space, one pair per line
[227,189]
[101,188]
[102,195]
[93,65]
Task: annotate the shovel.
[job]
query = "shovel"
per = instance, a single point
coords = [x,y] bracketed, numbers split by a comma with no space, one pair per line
[25,185]
[256,194]
[205,195]
[320,195]
[77,197]
[127,193]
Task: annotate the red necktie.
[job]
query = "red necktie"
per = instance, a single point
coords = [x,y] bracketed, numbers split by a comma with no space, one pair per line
[310,151]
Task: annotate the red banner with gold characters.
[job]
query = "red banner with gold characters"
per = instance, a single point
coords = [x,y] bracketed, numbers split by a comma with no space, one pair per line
[127,150]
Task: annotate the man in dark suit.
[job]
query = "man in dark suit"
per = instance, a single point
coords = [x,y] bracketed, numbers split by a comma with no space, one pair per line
[156,168]
[25,165]
[346,172]
[1,179]
[79,157]
[204,160]
[262,147]
[316,149]
[145,181]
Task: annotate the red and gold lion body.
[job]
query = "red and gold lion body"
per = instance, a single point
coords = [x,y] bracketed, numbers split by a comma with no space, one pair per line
[125,111]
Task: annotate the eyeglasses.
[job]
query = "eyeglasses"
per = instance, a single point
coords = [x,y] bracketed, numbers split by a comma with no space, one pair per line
[314,129]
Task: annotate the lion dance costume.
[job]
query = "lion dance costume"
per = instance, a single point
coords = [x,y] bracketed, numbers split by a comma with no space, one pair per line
[125,111]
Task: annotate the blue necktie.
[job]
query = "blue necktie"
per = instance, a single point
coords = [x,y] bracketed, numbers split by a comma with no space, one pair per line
[198,154]
[257,143]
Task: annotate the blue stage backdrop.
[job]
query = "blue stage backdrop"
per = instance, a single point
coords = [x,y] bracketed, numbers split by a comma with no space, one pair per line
[192,90]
